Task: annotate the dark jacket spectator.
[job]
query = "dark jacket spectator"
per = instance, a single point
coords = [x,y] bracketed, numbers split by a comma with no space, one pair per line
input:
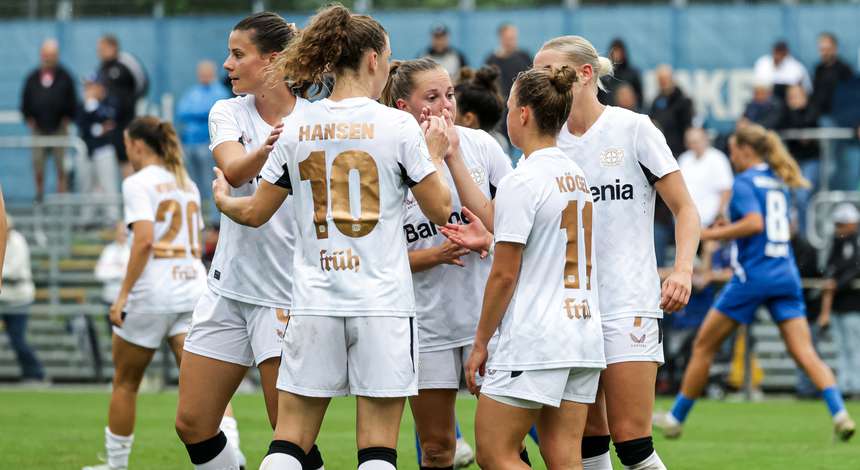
[509,58]
[671,110]
[843,262]
[96,117]
[799,114]
[624,74]
[764,109]
[49,98]
[441,51]
[828,73]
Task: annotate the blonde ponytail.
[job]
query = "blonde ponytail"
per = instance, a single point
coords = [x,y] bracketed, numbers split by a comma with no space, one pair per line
[160,136]
[769,147]
[579,51]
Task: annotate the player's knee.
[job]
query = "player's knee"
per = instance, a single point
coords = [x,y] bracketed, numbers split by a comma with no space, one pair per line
[189,427]
[704,347]
[631,427]
[438,450]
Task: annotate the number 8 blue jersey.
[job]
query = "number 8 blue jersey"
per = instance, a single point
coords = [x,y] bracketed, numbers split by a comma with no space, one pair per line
[766,255]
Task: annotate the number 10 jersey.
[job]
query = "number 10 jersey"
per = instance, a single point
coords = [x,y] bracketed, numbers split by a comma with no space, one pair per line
[349,165]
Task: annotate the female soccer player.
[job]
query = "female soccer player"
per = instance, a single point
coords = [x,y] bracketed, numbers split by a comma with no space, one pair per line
[239,319]
[348,162]
[444,274]
[546,366]
[765,274]
[479,104]
[627,162]
[164,277]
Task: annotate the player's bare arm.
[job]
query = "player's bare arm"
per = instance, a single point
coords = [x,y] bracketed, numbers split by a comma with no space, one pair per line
[254,210]
[676,288]
[446,253]
[240,166]
[470,194]
[472,235]
[141,248]
[750,224]
[500,289]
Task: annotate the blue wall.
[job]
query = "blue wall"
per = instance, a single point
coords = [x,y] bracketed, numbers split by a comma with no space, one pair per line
[703,41]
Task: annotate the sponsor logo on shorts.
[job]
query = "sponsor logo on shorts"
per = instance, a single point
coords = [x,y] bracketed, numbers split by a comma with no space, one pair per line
[284,318]
[638,342]
[491,371]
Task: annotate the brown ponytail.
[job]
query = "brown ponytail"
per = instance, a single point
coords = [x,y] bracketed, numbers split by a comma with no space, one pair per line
[768,146]
[160,137]
[334,41]
[547,92]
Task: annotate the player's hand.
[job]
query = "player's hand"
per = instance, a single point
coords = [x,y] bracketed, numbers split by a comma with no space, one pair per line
[823,321]
[473,235]
[676,291]
[220,187]
[476,365]
[453,136]
[828,284]
[449,253]
[116,309]
[436,136]
[265,149]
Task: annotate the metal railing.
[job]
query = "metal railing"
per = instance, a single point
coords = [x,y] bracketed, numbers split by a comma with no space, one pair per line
[826,137]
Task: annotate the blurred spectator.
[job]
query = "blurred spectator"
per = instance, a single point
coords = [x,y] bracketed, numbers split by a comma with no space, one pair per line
[625,97]
[17,295]
[509,58]
[840,297]
[671,110]
[828,73]
[125,81]
[48,104]
[624,74]
[781,69]
[806,257]
[708,175]
[193,114]
[799,114]
[443,53]
[764,109]
[98,174]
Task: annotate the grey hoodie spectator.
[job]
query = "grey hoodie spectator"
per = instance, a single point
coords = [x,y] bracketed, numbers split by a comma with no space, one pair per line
[441,51]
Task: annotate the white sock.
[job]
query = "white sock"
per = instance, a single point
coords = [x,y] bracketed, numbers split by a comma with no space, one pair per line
[280,462]
[653,462]
[840,416]
[598,462]
[376,465]
[226,460]
[231,429]
[118,449]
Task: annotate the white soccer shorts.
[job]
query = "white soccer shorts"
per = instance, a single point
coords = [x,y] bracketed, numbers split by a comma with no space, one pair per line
[234,331]
[362,356]
[147,330]
[536,388]
[634,339]
[442,369]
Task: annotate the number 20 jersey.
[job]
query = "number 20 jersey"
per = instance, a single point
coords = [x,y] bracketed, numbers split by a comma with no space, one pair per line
[553,318]
[349,165]
[174,277]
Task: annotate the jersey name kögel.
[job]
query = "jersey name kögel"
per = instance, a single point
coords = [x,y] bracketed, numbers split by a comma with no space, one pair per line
[446,300]
[174,276]
[251,265]
[765,255]
[553,319]
[349,164]
[623,155]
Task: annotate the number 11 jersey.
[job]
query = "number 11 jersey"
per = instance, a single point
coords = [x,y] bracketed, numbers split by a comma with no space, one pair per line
[349,165]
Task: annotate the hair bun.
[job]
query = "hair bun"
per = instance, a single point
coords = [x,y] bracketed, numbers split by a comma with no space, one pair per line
[467,74]
[605,67]
[487,77]
[562,78]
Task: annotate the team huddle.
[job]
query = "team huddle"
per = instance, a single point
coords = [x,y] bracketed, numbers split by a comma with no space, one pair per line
[378,243]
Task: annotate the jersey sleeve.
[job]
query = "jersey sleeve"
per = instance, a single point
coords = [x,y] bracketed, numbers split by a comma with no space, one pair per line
[498,164]
[744,200]
[652,151]
[276,170]
[515,210]
[223,126]
[136,202]
[414,157]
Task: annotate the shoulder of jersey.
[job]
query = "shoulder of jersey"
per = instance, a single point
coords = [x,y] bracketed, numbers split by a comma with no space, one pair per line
[477,135]
[622,117]
[230,103]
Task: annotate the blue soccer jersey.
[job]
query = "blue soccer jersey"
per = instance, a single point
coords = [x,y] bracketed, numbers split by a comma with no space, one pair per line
[765,270]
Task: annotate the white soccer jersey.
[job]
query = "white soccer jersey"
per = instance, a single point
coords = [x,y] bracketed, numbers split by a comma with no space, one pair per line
[553,319]
[623,155]
[447,297]
[349,165]
[252,265]
[174,276]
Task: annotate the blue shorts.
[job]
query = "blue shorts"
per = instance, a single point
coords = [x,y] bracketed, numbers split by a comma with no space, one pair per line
[740,300]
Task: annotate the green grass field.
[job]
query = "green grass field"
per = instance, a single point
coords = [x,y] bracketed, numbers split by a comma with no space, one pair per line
[62,429]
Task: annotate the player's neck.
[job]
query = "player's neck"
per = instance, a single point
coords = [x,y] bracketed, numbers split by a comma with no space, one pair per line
[586,113]
[274,103]
[346,87]
[536,143]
